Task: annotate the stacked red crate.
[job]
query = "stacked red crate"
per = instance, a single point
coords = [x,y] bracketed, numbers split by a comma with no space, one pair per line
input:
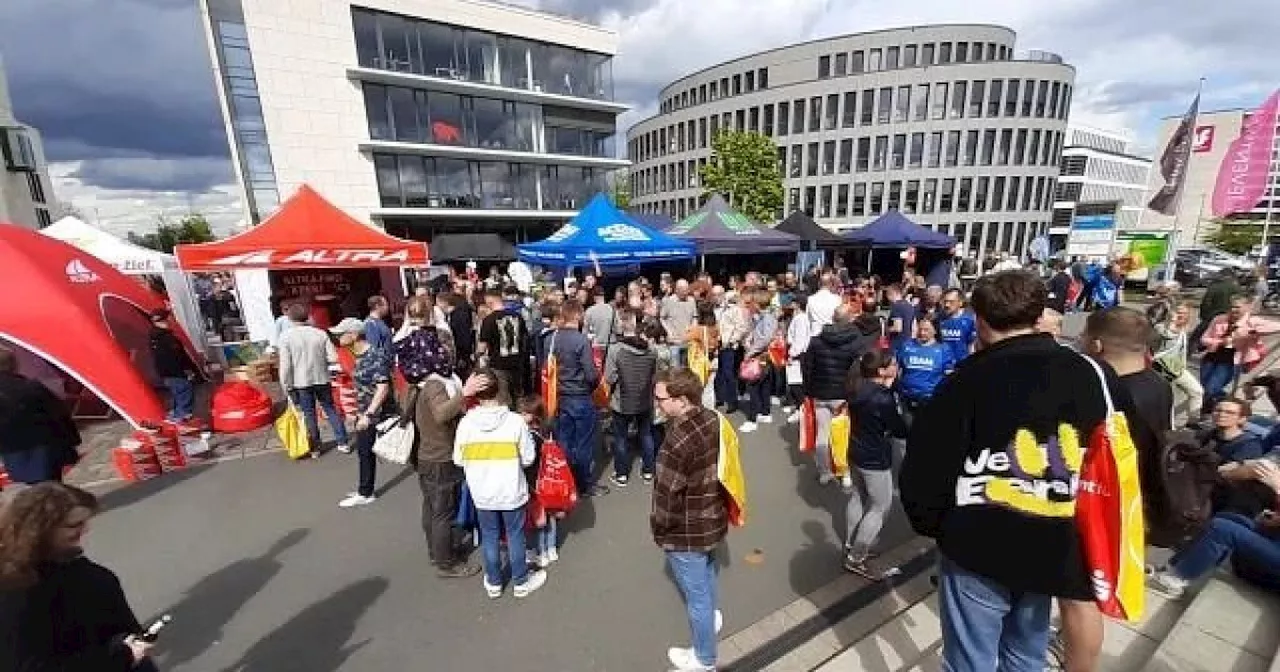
[136,457]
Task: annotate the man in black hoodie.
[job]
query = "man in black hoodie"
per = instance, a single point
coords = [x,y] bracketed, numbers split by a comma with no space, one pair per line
[991,472]
[826,364]
[174,366]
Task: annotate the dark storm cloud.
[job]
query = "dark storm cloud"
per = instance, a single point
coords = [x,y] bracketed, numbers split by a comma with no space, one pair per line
[106,79]
[152,174]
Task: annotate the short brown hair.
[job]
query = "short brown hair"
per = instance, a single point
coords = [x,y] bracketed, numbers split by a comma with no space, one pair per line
[533,405]
[1119,327]
[1009,300]
[493,385]
[570,309]
[375,301]
[297,312]
[1246,409]
[682,382]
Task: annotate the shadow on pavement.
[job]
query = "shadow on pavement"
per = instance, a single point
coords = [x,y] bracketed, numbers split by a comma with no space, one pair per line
[123,493]
[316,639]
[390,485]
[212,602]
[810,564]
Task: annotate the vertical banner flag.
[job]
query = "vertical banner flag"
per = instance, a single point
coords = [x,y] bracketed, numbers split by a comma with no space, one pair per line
[1242,178]
[1173,162]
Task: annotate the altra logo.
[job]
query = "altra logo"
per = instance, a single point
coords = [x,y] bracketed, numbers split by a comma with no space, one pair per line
[264,257]
[80,274]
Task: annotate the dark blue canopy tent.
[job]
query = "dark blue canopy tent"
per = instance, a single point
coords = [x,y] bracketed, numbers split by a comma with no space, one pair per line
[602,234]
[655,221]
[894,230]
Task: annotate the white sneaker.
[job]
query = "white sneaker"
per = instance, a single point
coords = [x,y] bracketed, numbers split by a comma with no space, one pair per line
[766,419]
[345,449]
[532,582]
[846,482]
[719,621]
[776,401]
[788,410]
[1167,584]
[553,555]
[494,592]
[684,660]
[793,418]
[824,479]
[356,499]
[747,427]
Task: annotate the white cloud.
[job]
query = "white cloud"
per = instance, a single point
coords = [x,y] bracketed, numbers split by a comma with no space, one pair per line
[122,211]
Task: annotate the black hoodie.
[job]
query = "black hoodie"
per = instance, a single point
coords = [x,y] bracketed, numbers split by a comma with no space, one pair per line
[831,353]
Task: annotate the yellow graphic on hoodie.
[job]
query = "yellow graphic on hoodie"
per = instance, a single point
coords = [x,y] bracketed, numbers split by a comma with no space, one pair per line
[1038,479]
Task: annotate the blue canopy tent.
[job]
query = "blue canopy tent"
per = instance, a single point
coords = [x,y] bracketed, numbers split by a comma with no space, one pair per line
[602,234]
[893,229]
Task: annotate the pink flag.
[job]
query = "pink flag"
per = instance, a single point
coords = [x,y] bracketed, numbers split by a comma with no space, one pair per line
[1242,178]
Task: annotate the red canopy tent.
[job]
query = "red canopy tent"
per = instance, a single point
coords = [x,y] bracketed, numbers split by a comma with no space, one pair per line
[56,304]
[306,232]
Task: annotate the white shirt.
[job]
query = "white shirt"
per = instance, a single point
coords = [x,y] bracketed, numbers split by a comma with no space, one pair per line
[822,309]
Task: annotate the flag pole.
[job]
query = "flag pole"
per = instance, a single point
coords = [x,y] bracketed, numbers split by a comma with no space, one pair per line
[1182,197]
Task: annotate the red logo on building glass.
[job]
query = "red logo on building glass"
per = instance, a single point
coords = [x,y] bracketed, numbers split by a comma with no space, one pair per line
[1203,140]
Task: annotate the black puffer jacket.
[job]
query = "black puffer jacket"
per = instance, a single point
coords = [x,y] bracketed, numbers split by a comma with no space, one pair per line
[831,353]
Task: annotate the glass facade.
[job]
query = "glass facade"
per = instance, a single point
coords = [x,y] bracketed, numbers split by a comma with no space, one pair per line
[247,122]
[437,182]
[391,42]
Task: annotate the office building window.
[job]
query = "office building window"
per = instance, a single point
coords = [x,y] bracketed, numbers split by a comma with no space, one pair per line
[850,118]
[783,118]
[824,201]
[846,155]
[952,156]
[962,52]
[991,51]
[797,116]
[899,156]
[935,149]
[829,157]
[768,120]
[911,197]
[762,77]
[811,163]
[970,148]
[877,198]
[895,196]
[750,81]
[997,194]
[713,126]
[965,193]
[993,100]
[782,160]
[796,158]
[881,156]
[832,111]
[945,195]
[810,194]
[740,120]
[824,67]
[702,94]
[36,188]
[1033,152]
[980,194]
[1011,98]
[793,199]
[916,158]
[1020,147]
[858,65]
[753,119]
[713,91]
[1011,203]
[864,155]
[891,58]
[1027,194]
[815,114]
[859,204]
[841,64]
[902,106]
[928,196]
[926,54]
[988,147]
[1028,97]
[940,101]
[920,103]
[737,85]
[1006,145]
[909,56]
[873,60]
[944,53]
[885,109]
[976,92]
[868,106]
[1053,100]
[842,200]
[958,91]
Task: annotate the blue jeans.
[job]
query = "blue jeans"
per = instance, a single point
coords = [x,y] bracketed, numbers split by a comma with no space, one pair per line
[678,352]
[695,573]
[182,398]
[368,462]
[1254,557]
[492,524]
[758,393]
[1214,378]
[548,535]
[727,379]
[306,399]
[986,627]
[644,431]
[576,429]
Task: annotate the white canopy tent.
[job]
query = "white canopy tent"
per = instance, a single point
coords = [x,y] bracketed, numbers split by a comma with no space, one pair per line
[133,259]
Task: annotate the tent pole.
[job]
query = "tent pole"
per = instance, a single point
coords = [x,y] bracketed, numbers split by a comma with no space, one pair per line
[870,251]
[702,263]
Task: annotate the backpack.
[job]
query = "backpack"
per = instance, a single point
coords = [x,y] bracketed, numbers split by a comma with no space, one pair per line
[1181,504]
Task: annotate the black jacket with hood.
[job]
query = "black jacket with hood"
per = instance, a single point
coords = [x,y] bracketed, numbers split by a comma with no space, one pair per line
[832,352]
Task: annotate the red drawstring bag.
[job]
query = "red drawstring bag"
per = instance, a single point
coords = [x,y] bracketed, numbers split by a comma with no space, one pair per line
[778,352]
[556,489]
[808,426]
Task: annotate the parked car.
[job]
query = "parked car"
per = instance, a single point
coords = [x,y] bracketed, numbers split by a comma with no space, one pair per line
[1194,267]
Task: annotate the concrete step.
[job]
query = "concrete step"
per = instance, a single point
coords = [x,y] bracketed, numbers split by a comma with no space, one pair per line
[1128,646]
[1228,625]
[899,645]
[931,662]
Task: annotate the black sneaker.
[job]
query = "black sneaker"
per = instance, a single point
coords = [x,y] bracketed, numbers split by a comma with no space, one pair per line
[619,480]
[462,570]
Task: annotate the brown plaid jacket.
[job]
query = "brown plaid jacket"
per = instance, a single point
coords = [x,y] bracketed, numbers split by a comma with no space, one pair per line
[688,507]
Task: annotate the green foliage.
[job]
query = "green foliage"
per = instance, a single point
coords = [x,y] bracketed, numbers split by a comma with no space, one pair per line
[192,228]
[1236,236]
[744,168]
[620,190]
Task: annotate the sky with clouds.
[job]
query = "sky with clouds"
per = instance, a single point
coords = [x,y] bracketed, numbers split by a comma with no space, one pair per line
[123,92]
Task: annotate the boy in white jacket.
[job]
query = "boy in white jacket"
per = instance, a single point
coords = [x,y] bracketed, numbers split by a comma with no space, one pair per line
[493,446]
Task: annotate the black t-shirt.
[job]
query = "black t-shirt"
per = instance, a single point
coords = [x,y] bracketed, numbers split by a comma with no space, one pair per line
[1147,402]
[505,335]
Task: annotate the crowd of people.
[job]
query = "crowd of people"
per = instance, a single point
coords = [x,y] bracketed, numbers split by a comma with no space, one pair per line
[958,396]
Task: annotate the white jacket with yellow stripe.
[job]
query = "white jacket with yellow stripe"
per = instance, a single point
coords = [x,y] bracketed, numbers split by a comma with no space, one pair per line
[493,445]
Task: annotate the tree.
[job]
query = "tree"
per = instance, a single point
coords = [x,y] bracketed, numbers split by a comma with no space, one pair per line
[192,228]
[744,167]
[1236,236]
[620,189]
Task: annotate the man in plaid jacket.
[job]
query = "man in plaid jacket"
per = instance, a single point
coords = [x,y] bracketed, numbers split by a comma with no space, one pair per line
[689,517]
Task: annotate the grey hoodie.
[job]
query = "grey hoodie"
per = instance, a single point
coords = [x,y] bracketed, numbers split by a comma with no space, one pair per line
[629,370]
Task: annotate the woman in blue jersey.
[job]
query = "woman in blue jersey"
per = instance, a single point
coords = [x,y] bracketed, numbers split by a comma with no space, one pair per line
[924,362]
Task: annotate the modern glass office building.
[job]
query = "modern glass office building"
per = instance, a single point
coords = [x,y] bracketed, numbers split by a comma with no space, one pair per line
[948,124]
[422,116]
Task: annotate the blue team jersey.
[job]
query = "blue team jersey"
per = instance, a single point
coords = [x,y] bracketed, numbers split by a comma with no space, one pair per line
[958,333]
[923,368]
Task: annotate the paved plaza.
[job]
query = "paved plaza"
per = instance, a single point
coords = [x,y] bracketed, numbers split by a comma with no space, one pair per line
[262,571]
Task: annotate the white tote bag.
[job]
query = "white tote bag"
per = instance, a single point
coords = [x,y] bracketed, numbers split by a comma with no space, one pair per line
[396,435]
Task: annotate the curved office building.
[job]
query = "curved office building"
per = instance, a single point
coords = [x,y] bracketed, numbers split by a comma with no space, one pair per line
[945,123]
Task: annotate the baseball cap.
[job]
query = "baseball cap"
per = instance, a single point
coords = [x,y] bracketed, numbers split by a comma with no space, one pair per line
[349,325]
